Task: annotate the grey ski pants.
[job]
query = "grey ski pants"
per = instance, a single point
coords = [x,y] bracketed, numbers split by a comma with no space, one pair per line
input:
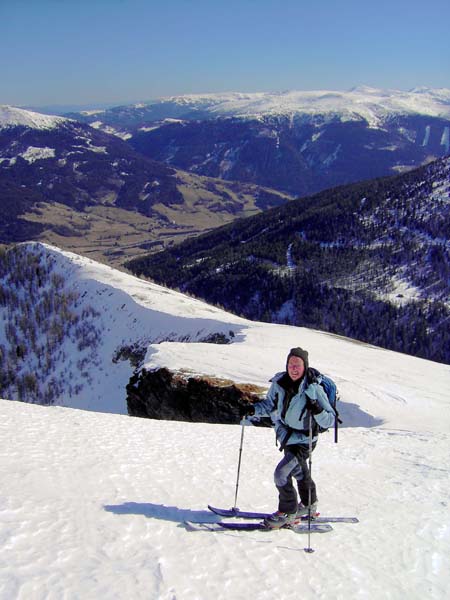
[294,465]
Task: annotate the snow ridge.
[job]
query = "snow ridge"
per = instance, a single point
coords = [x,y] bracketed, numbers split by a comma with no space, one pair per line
[11,116]
[371,104]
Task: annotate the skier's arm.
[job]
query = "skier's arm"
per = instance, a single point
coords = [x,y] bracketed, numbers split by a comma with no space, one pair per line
[269,408]
[317,397]
[266,407]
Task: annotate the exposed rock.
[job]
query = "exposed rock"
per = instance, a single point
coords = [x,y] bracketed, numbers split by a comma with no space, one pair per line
[179,396]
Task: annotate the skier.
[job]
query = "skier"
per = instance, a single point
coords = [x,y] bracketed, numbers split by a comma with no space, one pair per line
[297,406]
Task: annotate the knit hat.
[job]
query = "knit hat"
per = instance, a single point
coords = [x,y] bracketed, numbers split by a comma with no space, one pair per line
[303,354]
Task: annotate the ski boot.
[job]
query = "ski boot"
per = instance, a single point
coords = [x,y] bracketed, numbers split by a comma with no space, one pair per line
[303,511]
[280,519]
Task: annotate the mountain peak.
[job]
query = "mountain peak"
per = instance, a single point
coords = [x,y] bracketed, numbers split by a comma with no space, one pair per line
[365,89]
[11,116]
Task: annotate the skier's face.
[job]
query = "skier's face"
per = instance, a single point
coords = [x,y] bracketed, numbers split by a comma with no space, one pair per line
[296,368]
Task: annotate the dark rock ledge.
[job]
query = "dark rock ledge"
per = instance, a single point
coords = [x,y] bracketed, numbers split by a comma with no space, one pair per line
[181,396]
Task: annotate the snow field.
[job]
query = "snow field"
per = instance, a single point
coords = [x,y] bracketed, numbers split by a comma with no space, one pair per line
[91,505]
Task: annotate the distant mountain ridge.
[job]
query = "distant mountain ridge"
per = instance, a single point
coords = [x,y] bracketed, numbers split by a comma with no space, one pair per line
[363,102]
[298,142]
[369,260]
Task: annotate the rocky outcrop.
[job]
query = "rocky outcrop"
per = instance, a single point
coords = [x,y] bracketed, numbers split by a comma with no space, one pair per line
[179,396]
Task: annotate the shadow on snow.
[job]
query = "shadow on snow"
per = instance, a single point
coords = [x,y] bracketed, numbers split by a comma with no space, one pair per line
[159,511]
[353,416]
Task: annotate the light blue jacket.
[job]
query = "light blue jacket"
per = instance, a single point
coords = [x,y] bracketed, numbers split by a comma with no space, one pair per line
[295,422]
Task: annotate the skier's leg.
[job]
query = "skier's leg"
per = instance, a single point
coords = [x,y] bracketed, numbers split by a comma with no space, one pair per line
[305,482]
[303,490]
[287,496]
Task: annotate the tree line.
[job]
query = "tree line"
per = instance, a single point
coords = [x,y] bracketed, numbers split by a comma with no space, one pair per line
[39,321]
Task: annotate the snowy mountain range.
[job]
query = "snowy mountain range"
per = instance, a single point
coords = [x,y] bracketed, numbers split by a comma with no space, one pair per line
[93,504]
[298,142]
[192,163]
[371,104]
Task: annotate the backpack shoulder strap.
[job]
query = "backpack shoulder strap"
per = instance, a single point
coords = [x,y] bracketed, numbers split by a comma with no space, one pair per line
[312,375]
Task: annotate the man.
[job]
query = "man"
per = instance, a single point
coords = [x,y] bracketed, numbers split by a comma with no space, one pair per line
[296,404]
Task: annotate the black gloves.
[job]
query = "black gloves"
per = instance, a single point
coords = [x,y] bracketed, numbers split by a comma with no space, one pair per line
[314,406]
[246,410]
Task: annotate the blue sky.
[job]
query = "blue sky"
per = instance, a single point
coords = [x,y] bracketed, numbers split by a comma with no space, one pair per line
[118,51]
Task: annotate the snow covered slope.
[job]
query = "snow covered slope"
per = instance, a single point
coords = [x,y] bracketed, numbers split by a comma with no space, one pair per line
[92,504]
[117,311]
[105,313]
[11,116]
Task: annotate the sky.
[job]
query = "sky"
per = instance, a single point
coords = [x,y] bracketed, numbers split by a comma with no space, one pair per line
[89,52]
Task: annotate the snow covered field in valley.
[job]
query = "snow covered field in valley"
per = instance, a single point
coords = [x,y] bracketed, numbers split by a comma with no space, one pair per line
[92,503]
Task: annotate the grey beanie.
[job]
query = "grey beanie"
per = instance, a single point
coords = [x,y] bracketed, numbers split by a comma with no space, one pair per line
[303,354]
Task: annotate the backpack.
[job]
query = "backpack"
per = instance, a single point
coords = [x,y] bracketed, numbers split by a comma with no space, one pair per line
[330,389]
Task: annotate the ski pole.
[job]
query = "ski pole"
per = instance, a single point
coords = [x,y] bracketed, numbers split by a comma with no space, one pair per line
[335,429]
[336,419]
[309,549]
[239,466]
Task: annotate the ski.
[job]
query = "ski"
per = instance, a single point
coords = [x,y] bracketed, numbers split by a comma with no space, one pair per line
[260,525]
[236,512]
[241,514]
[256,526]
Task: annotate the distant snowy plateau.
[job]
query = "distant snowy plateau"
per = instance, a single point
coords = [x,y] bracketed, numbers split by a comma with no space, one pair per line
[371,104]
[92,504]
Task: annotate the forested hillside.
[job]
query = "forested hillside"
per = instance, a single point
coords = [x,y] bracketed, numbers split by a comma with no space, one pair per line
[369,261]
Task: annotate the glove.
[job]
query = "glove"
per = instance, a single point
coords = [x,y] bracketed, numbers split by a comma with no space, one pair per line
[314,406]
[246,410]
